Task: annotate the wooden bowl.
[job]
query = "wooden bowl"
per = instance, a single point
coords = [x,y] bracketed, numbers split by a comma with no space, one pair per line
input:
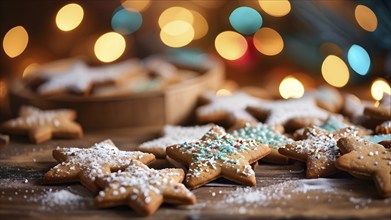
[173,105]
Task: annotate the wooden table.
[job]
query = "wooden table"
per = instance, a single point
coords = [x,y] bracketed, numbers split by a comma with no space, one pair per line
[281,191]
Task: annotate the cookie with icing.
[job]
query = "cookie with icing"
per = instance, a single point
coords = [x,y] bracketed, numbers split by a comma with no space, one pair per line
[173,135]
[86,164]
[42,125]
[364,158]
[319,150]
[282,111]
[226,110]
[143,189]
[218,154]
[266,135]
[328,98]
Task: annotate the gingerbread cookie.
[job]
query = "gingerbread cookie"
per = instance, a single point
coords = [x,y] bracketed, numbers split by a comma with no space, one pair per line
[353,106]
[377,138]
[384,128]
[281,111]
[328,98]
[218,154]
[86,164]
[226,110]
[43,125]
[173,135]
[363,157]
[319,150]
[266,135]
[143,189]
[4,140]
[80,78]
[383,111]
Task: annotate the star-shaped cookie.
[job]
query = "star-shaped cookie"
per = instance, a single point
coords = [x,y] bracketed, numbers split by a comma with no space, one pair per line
[80,78]
[218,154]
[143,189]
[173,135]
[363,157]
[227,110]
[319,150]
[281,111]
[43,125]
[85,164]
[266,135]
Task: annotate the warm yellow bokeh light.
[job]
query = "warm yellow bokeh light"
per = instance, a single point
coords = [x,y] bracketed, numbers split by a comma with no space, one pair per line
[69,17]
[138,5]
[268,41]
[231,45]
[177,33]
[200,25]
[290,87]
[15,41]
[223,92]
[175,13]
[276,8]
[366,18]
[29,69]
[335,71]
[379,87]
[109,47]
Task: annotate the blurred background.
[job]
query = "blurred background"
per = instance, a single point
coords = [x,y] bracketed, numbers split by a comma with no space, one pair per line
[296,45]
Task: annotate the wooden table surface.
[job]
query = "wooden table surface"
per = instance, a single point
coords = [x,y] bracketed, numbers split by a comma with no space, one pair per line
[281,192]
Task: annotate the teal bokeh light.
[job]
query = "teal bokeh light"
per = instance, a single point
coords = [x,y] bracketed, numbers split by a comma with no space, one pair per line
[245,20]
[359,59]
[126,22]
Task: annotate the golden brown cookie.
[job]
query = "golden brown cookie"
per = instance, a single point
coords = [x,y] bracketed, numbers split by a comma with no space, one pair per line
[85,164]
[328,98]
[226,110]
[383,111]
[43,125]
[173,135]
[266,135]
[384,128]
[366,158]
[4,140]
[143,189]
[218,154]
[319,150]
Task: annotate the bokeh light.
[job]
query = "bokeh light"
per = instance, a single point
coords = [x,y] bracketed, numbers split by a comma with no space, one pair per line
[30,69]
[223,92]
[69,17]
[335,71]
[200,25]
[138,5]
[379,87]
[268,41]
[231,45]
[359,59]
[290,87]
[366,18]
[276,8]
[245,20]
[125,21]
[177,33]
[109,47]
[175,13]
[15,41]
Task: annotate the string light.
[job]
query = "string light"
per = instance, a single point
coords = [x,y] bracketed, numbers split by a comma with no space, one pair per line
[109,47]
[177,33]
[366,18]
[125,21]
[231,45]
[175,13]
[69,17]
[290,87]
[379,87]
[268,41]
[359,59]
[277,8]
[335,71]
[245,20]
[15,41]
